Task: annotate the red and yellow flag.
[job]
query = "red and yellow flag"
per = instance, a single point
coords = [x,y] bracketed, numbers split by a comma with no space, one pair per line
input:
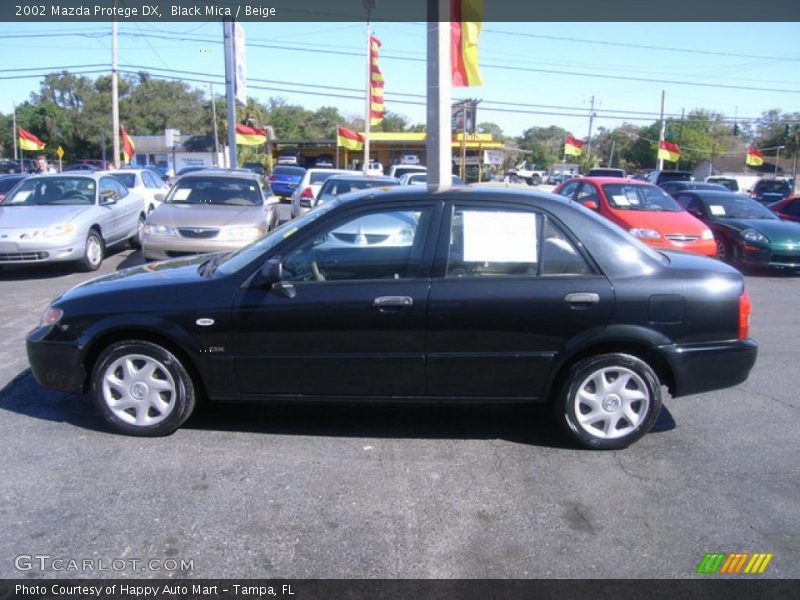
[250,136]
[572,146]
[376,106]
[669,151]
[754,157]
[349,139]
[466,17]
[128,147]
[28,141]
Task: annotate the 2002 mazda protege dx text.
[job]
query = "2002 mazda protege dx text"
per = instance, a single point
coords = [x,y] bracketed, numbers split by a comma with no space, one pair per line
[455,296]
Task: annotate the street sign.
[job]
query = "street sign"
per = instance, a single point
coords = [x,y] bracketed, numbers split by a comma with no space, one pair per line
[60,153]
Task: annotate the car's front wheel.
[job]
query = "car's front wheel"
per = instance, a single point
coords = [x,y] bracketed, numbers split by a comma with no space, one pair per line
[609,401]
[135,240]
[141,388]
[93,252]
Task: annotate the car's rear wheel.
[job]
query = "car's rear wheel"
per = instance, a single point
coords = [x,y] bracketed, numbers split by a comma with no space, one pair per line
[609,401]
[93,252]
[141,388]
[536,180]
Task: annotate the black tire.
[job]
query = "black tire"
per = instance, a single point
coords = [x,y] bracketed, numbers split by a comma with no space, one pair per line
[619,419]
[135,241]
[176,389]
[93,252]
[536,180]
[727,251]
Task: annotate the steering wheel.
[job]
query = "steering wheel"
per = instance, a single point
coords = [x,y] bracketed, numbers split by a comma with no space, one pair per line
[75,194]
[318,276]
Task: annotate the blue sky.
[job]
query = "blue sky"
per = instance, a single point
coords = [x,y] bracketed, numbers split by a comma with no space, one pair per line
[513,58]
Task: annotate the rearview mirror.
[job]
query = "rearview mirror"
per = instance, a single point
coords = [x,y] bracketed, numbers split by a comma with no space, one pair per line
[591,204]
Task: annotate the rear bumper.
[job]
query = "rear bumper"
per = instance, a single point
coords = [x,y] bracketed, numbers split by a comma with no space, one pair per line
[55,365]
[701,368]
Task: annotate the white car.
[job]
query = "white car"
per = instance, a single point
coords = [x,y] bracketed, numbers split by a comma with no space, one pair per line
[400,170]
[408,158]
[308,188]
[144,183]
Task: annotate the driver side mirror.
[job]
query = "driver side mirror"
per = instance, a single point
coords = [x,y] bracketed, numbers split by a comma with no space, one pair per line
[109,198]
[591,204]
[270,273]
[695,212]
[159,197]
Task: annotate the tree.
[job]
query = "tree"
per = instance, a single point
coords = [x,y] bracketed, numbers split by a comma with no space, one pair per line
[492,128]
[543,146]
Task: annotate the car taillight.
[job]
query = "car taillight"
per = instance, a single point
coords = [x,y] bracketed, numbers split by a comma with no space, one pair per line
[744,316]
[308,193]
[272,177]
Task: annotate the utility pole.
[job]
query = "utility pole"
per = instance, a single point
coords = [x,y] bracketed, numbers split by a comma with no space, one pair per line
[680,138]
[611,157]
[368,91]
[115,91]
[439,146]
[15,134]
[660,165]
[214,117]
[589,139]
[230,95]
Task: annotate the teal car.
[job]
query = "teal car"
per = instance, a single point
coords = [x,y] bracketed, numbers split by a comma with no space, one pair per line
[746,232]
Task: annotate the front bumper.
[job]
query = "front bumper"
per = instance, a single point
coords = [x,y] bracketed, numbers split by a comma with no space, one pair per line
[55,365]
[41,251]
[773,257]
[701,368]
[702,247]
[157,247]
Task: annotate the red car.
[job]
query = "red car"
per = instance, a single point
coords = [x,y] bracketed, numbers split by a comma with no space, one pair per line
[644,210]
[787,209]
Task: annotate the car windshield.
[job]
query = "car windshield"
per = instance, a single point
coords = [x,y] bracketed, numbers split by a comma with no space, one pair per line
[771,187]
[337,187]
[639,197]
[737,207]
[52,191]
[215,190]
[320,176]
[126,179]
[400,171]
[291,171]
[234,261]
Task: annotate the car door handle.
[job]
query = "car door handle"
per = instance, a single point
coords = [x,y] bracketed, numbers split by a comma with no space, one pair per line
[582,299]
[389,301]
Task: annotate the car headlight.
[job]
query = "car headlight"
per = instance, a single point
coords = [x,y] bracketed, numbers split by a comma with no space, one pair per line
[51,316]
[54,231]
[751,235]
[707,234]
[646,234]
[241,233]
[158,230]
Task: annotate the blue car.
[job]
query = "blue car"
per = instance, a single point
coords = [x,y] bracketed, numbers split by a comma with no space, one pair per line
[769,191]
[284,180]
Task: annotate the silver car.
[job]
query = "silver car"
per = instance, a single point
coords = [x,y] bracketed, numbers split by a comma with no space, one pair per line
[209,211]
[68,217]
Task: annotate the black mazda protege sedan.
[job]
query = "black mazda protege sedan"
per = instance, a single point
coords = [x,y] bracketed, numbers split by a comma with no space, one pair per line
[453,296]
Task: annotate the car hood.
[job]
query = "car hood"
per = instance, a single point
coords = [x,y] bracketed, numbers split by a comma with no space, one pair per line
[664,222]
[206,215]
[149,276]
[38,217]
[783,232]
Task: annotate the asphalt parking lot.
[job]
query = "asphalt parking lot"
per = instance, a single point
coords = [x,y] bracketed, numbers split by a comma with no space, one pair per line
[451,492]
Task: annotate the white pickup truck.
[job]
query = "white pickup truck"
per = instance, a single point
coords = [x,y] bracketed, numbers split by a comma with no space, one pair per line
[526,172]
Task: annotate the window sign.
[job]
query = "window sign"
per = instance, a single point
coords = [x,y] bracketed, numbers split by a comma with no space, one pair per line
[499,237]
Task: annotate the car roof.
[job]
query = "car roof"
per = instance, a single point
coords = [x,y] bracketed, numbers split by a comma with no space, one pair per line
[711,194]
[361,177]
[221,173]
[85,174]
[626,180]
